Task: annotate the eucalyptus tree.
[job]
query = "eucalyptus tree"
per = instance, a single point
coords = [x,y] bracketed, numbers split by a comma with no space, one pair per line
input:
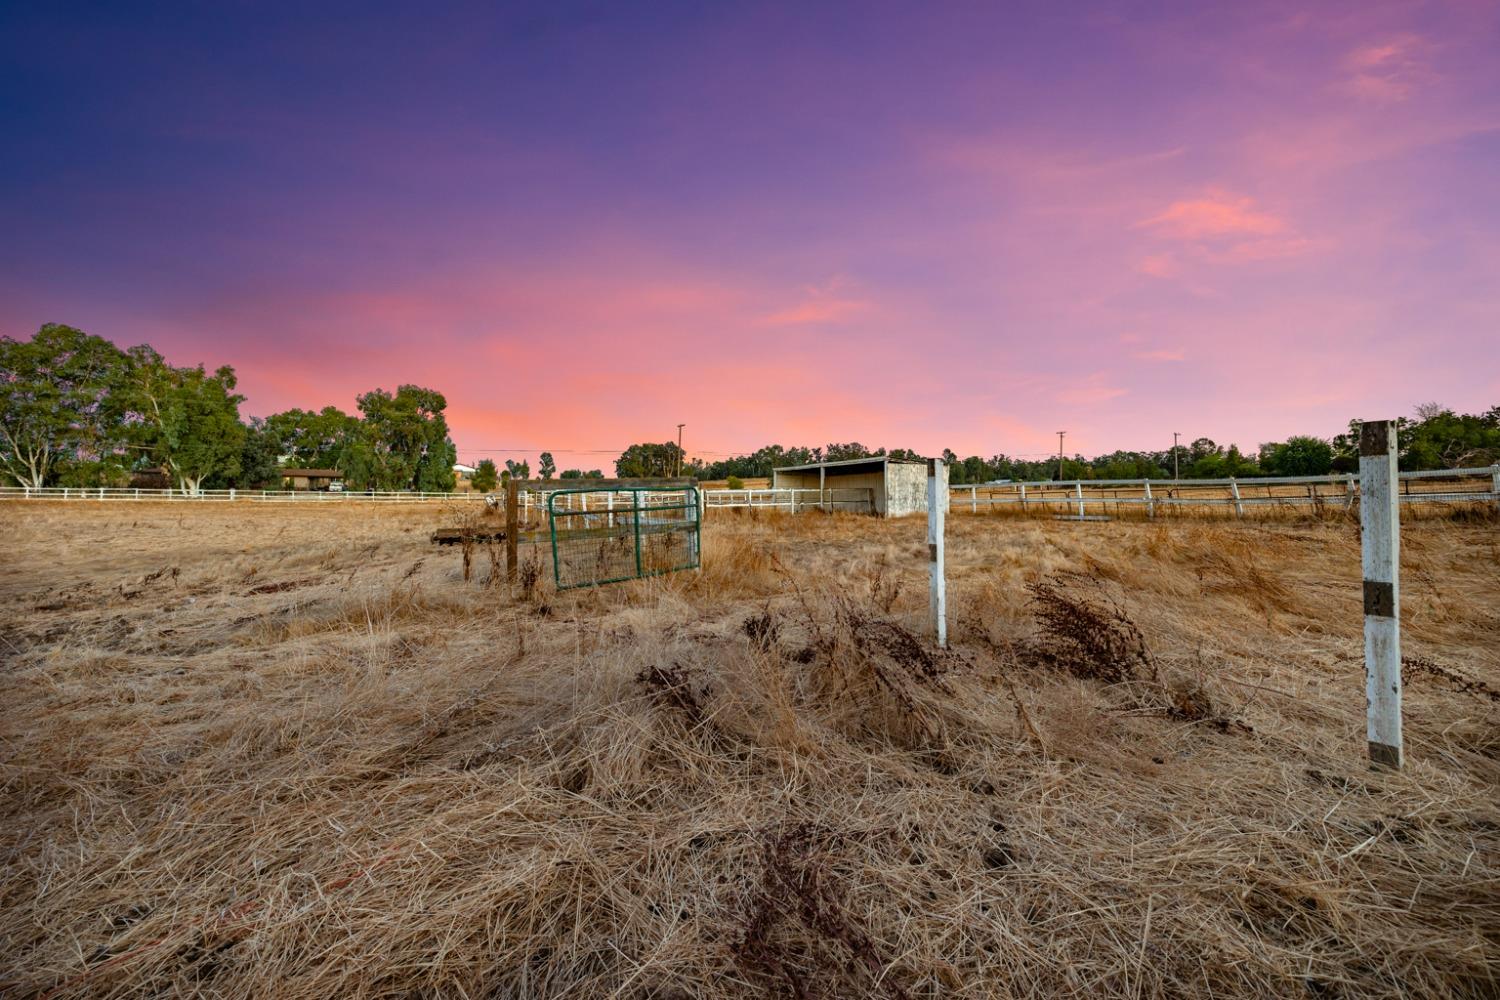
[55,396]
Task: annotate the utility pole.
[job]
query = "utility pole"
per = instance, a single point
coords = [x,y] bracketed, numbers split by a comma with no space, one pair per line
[1060,454]
[1175,435]
[679,448]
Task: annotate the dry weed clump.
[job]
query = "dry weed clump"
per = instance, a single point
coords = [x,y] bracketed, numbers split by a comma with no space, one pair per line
[1089,634]
[316,762]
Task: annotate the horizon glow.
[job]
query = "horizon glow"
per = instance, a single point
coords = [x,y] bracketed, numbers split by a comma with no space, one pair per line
[964,227]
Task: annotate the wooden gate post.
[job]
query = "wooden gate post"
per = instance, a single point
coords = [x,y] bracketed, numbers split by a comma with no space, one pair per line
[1380,550]
[935,549]
[512,526]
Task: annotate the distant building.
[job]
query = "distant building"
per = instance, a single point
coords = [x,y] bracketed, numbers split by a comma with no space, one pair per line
[465,476]
[898,487]
[151,479]
[311,479]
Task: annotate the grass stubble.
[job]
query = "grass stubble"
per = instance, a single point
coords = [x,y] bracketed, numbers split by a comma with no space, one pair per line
[263,752]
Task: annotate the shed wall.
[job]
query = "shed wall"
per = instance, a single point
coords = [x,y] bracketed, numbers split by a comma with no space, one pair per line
[906,489]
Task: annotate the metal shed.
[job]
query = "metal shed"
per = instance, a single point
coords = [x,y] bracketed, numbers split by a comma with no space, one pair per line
[898,486]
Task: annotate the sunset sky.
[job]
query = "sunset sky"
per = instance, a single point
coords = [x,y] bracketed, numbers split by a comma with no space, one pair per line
[918,225]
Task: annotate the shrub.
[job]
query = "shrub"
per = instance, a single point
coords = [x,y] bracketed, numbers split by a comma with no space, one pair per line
[735,483]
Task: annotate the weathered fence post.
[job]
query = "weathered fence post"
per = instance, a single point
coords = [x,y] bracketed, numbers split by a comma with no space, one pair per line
[1078,491]
[1150,504]
[512,526]
[935,549]
[1234,490]
[973,499]
[1380,549]
[1495,483]
[1348,491]
[1023,498]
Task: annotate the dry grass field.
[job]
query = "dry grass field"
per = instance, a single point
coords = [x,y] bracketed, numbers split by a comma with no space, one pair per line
[279,752]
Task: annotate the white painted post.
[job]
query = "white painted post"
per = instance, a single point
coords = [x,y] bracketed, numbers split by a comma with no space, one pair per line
[231,492]
[1150,503]
[935,550]
[1078,491]
[1349,491]
[973,499]
[1234,489]
[1023,498]
[822,491]
[609,505]
[1380,548]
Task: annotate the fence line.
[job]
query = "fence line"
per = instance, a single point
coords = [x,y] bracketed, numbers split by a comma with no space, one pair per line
[1069,497]
[1073,497]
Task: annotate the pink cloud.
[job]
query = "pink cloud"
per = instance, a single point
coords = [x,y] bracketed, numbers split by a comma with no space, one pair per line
[1160,355]
[1387,72]
[1160,265]
[1091,389]
[1217,215]
[818,311]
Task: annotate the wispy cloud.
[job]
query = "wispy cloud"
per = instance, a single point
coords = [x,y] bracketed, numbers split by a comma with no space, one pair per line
[818,311]
[1388,71]
[1158,265]
[1216,215]
[1219,227]
[827,303]
[1160,355]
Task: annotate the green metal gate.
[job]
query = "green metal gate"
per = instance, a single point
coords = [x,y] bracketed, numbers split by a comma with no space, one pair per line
[605,536]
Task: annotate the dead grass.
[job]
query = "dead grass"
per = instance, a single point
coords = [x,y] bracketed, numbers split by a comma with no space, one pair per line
[293,753]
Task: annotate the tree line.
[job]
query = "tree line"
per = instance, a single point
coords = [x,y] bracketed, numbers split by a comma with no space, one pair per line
[1436,437]
[75,410]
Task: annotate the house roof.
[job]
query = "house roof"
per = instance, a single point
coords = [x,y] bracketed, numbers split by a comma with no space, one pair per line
[313,473]
[845,464]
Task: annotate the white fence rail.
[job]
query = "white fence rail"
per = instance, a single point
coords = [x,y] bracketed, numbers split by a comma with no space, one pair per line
[1072,497]
[1079,497]
[861,501]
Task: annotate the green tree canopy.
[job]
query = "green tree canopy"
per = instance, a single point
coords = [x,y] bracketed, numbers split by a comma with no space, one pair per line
[260,460]
[315,439]
[187,420]
[546,466]
[485,477]
[403,443]
[1300,455]
[648,461]
[55,401]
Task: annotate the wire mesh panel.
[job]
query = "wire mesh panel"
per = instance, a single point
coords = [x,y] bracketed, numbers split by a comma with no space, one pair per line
[605,536]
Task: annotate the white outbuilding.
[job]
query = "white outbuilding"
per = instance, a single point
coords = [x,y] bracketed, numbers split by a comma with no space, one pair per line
[897,486]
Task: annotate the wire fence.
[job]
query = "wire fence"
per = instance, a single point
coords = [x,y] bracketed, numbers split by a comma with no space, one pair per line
[622,534]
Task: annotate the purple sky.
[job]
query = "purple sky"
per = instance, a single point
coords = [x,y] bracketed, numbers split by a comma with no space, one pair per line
[912,225]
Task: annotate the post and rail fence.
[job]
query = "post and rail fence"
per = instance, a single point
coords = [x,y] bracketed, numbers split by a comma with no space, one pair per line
[1074,498]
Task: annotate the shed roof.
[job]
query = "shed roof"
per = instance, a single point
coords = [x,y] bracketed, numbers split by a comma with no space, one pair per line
[313,473]
[848,464]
